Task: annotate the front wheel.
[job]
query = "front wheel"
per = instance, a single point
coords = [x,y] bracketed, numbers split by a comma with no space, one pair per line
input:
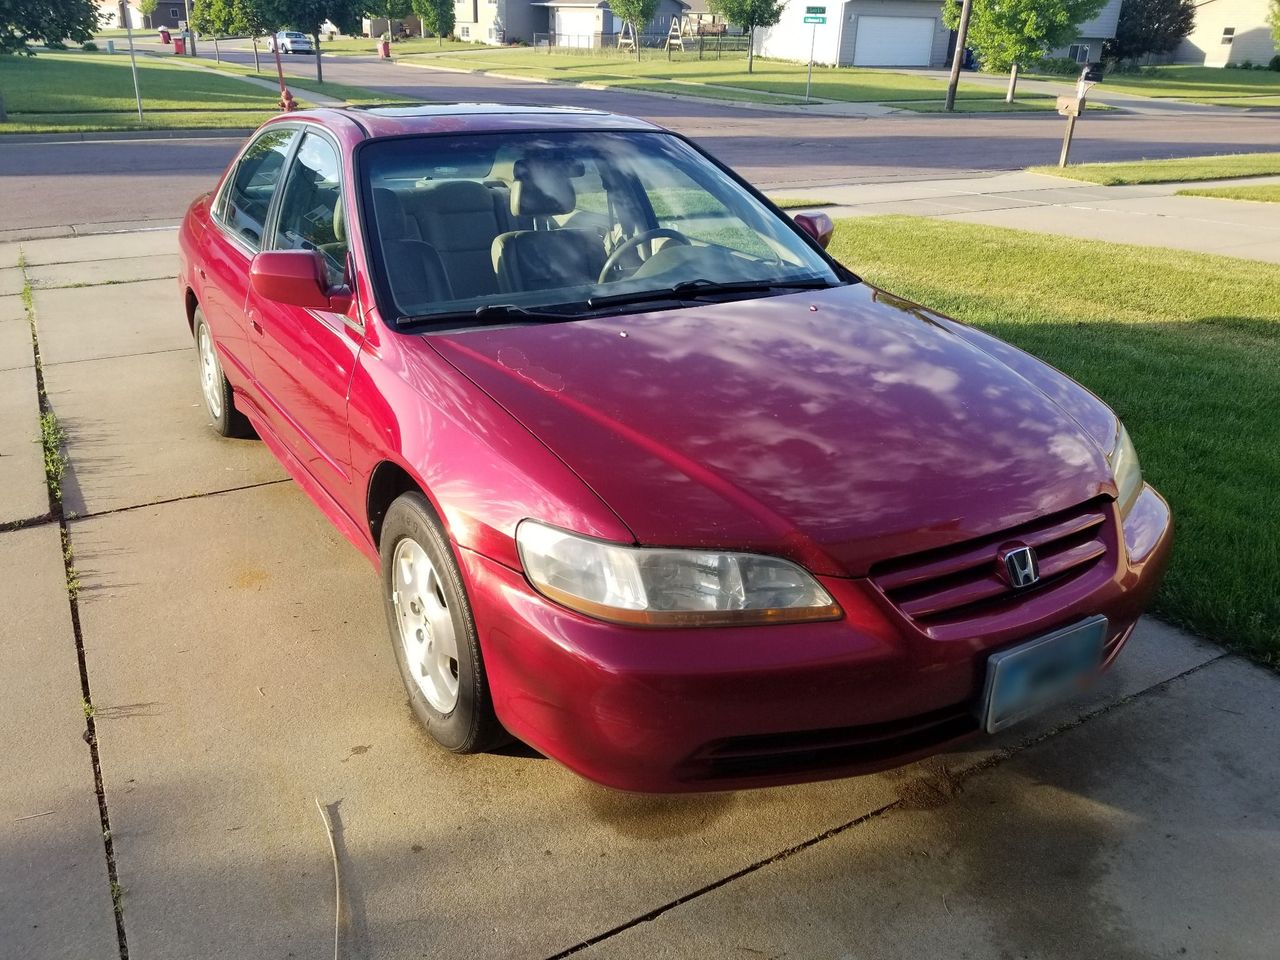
[432,630]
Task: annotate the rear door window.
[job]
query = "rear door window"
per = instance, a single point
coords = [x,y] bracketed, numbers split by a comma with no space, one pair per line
[245,202]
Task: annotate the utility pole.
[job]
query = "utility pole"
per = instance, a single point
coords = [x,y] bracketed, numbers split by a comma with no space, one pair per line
[957,58]
[191,31]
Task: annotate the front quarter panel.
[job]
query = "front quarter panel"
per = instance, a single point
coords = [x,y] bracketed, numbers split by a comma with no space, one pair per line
[482,470]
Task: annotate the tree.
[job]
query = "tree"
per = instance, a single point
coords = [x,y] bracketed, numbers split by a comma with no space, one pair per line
[749,14]
[1273,18]
[49,21]
[436,16]
[1008,32]
[388,10]
[250,18]
[308,15]
[1151,26]
[147,8]
[635,12]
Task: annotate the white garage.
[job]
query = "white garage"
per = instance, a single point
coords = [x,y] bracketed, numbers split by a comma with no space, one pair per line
[576,26]
[893,41]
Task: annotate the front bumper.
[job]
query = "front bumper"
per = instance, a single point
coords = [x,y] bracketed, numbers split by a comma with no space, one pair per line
[714,709]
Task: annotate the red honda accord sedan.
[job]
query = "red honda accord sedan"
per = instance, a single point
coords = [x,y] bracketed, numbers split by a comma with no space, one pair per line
[654,484]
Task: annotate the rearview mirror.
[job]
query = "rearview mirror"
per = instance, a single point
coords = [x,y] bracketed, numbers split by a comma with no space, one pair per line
[816,225]
[297,278]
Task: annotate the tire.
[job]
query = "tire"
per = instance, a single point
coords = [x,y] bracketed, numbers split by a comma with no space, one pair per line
[219,403]
[433,633]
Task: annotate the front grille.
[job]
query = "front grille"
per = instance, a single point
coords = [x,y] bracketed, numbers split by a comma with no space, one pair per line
[967,579]
[869,745]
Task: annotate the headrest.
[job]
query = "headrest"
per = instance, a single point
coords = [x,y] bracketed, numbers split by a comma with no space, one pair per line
[392,224]
[339,221]
[540,185]
[457,196]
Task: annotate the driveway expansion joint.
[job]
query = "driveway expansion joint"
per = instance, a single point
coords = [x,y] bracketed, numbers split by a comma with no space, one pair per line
[954,782]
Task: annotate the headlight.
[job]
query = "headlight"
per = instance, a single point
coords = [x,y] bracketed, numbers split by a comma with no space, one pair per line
[658,587]
[1128,473]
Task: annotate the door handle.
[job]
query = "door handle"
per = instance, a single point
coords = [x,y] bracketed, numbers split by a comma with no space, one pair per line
[257,327]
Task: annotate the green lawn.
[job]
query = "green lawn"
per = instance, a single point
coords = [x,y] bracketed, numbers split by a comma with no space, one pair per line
[1170,171]
[76,92]
[770,77]
[1269,193]
[1199,84]
[64,83]
[799,203]
[1192,365]
[368,46]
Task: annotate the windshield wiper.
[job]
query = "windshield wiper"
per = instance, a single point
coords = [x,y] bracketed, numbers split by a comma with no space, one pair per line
[489,313]
[697,289]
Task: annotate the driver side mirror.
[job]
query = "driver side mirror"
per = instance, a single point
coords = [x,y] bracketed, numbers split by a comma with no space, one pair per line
[297,278]
[816,225]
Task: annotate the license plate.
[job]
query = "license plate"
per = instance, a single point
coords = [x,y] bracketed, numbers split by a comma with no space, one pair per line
[1031,676]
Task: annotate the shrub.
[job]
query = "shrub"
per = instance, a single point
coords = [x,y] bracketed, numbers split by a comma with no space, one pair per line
[1058,65]
[89,47]
[1247,65]
[1275,63]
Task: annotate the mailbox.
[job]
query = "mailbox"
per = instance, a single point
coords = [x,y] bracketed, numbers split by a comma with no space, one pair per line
[1092,73]
[1070,106]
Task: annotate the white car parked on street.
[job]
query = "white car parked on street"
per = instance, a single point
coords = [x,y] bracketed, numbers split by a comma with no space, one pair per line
[290,41]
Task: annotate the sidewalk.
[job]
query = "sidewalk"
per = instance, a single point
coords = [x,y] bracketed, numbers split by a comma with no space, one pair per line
[1148,214]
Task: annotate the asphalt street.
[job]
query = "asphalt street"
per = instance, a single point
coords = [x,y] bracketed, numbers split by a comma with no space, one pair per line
[122,181]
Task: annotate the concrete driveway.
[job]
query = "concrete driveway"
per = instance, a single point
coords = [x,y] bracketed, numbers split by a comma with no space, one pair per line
[230,651]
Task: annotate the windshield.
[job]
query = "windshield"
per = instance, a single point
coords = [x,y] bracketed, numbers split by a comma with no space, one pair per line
[502,226]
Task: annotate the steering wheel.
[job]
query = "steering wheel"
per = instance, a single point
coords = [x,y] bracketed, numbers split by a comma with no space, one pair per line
[627,246]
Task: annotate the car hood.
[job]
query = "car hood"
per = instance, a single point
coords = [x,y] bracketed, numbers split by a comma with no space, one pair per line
[837,427]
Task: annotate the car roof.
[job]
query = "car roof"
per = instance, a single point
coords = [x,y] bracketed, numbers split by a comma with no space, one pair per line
[394,121]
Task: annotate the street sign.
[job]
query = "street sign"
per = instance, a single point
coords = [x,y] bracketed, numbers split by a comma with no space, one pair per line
[815,19]
[812,11]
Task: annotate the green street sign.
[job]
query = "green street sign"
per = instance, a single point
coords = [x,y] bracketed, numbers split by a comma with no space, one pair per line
[815,19]
[811,11]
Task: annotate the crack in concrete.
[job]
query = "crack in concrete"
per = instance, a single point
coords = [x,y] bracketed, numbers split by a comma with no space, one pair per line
[955,782]
[190,496]
[57,514]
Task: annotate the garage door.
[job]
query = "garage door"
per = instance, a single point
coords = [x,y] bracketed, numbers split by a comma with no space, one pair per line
[576,28]
[893,41]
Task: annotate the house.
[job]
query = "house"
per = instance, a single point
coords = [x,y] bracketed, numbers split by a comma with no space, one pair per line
[894,33]
[566,23]
[496,21]
[112,13]
[1228,31]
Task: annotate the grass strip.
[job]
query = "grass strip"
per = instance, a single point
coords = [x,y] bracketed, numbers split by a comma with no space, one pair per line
[1170,171]
[1263,193]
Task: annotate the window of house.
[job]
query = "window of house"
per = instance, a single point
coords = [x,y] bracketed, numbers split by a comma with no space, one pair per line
[310,209]
[1079,52]
[1228,34]
[174,13]
[244,204]
[465,32]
